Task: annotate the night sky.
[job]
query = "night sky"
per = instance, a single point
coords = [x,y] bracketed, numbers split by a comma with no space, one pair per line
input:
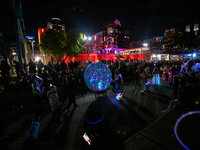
[143,18]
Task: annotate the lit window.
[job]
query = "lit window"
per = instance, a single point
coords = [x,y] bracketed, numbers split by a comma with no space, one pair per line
[124,36]
[110,30]
[127,37]
[116,30]
[119,31]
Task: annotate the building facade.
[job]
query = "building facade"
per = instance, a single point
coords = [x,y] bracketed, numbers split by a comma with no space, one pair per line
[55,23]
[13,32]
[111,39]
[115,35]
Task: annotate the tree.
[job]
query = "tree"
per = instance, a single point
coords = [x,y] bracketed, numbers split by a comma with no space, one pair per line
[75,43]
[58,43]
[53,42]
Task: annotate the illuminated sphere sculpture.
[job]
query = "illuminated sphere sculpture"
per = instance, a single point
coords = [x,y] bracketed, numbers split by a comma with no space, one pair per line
[97,77]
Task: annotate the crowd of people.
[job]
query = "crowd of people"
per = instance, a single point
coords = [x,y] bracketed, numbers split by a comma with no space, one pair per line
[141,72]
[44,81]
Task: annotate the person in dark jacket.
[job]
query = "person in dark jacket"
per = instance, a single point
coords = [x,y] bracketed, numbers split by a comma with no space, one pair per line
[72,91]
[175,84]
[40,65]
[32,67]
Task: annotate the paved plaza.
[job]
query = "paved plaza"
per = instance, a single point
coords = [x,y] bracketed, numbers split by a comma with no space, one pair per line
[130,116]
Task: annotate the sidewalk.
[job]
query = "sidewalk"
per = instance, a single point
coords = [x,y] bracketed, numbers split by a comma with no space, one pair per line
[138,119]
[129,117]
[160,134]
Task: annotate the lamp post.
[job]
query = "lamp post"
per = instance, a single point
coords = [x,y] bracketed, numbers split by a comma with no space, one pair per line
[87,39]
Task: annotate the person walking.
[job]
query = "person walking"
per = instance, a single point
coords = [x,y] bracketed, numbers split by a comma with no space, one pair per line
[57,67]
[63,65]
[144,79]
[32,67]
[40,65]
[72,92]
[54,105]
[49,68]
[119,85]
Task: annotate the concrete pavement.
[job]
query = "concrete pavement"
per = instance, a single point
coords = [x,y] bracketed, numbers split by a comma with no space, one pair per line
[130,117]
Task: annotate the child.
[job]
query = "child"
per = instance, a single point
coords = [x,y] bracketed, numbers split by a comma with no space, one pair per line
[54,104]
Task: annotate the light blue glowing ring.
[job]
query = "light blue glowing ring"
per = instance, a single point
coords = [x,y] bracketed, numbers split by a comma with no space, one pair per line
[96,121]
[176,125]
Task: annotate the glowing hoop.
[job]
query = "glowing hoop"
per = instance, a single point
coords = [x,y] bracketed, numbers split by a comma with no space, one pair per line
[96,121]
[176,125]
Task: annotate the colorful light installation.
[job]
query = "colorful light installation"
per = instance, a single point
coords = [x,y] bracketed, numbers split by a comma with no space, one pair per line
[176,125]
[119,96]
[196,67]
[156,79]
[97,77]
[184,65]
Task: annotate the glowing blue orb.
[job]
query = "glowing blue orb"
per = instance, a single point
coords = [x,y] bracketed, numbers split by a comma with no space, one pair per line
[97,77]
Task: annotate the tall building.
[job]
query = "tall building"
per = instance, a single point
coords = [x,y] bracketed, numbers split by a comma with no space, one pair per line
[40,32]
[55,23]
[13,30]
[153,41]
[113,37]
[196,28]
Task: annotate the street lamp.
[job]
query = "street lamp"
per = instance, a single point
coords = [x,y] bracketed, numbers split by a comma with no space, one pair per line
[87,39]
[37,58]
[145,44]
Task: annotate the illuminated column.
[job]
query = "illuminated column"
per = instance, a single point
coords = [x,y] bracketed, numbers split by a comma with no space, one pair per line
[196,28]
[187,28]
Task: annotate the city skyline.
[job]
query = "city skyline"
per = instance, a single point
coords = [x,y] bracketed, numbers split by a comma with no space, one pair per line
[144,19]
